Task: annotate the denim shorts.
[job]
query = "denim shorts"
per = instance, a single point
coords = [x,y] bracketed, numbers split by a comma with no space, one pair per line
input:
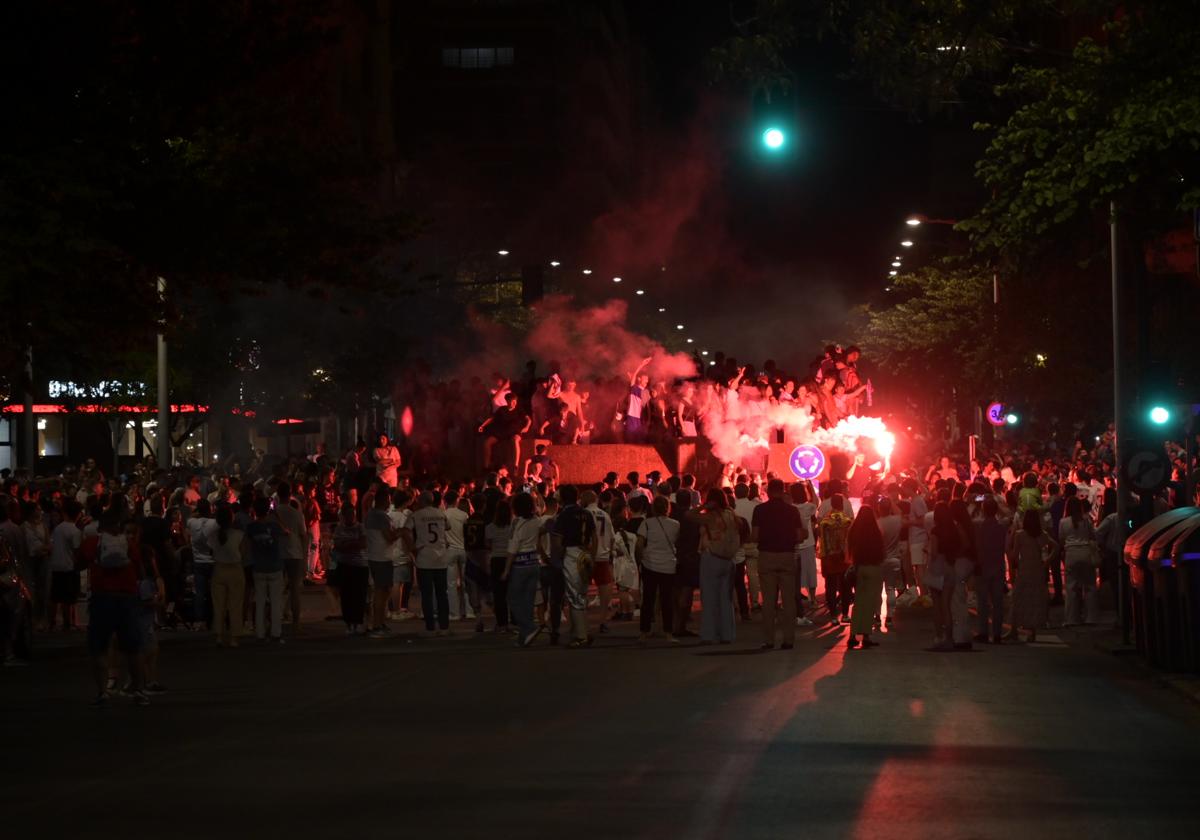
[108,614]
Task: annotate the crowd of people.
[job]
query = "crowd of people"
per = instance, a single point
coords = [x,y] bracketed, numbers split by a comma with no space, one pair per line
[514,551]
[632,406]
[162,550]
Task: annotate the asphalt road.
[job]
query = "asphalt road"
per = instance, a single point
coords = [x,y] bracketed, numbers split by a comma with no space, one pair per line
[467,737]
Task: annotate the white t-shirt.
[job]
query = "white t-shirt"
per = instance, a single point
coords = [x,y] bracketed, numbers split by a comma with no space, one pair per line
[203,532]
[917,509]
[397,553]
[376,524]
[637,396]
[64,542]
[744,508]
[604,532]
[295,541]
[455,519]
[428,526]
[661,534]
[387,461]
[807,511]
[523,538]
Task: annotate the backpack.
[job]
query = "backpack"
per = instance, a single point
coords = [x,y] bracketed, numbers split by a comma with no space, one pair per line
[729,540]
[112,552]
[834,528]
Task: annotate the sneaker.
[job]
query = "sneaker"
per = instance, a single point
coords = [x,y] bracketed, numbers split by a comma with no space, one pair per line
[766,646]
[442,633]
[603,627]
[140,699]
[530,636]
[378,634]
[852,642]
[803,621]
[643,638]
[279,641]
[156,688]
[672,640]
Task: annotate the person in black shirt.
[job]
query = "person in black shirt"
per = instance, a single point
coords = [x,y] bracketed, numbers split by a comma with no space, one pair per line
[574,535]
[687,567]
[778,529]
[477,569]
[504,425]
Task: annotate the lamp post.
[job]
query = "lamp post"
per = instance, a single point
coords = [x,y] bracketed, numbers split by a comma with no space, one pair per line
[164,399]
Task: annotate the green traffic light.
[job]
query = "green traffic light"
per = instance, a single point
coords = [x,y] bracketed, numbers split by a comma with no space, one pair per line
[1159,415]
[1012,419]
[774,138]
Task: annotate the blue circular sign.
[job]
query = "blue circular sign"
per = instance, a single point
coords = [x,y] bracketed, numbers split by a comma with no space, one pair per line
[807,462]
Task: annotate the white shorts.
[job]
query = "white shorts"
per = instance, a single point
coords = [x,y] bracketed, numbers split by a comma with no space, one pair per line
[807,568]
[919,552]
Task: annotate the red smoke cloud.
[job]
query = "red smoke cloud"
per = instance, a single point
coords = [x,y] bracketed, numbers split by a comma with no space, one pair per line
[595,342]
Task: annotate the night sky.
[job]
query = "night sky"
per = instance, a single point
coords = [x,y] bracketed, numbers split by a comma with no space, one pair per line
[780,246]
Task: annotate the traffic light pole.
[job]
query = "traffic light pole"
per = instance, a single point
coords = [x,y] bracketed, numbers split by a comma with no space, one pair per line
[1119,428]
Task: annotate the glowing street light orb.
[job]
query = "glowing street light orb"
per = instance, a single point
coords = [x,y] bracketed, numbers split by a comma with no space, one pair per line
[691,340]
[1011,419]
[641,291]
[774,138]
[587,271]
[1159,415]
[907,243]
[662,309]
[679,326]
[912,221]
[892,273]
[502,252]
[555,263]
[895,263]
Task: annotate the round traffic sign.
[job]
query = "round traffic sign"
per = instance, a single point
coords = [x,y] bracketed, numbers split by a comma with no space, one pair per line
[996,414]
[1148,470]
[806,462]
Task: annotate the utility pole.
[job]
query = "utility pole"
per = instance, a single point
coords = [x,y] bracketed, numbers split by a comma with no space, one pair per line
[1119,429]
[29,448]
[164,399]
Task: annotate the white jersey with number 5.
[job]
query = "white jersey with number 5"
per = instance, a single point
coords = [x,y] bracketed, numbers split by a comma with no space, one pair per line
[428,526]
[604,533]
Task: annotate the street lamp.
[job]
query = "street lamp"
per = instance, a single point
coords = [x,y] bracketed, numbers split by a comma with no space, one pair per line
[554,263]
[616,279]
[1159,415]
[587,271]
[502,252]
[662,309]
[641,291]
[906,243]
[920,219]
[679,326]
